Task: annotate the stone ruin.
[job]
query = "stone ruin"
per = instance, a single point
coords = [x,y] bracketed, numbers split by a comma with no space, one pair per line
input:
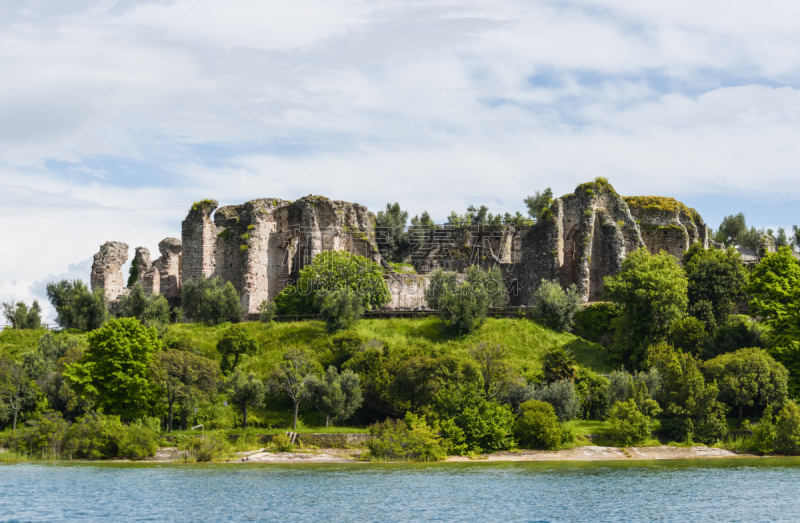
[261,245]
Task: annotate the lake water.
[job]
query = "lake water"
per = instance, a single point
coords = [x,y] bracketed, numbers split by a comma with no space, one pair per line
[709,490]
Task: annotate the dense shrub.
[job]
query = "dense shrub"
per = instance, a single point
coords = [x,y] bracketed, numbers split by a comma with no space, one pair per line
[151,310]
[137,442]
[537,426]
[739,332]
[281,443]
[595,322]
[592,390]
[92,436]
[267,311]
[562,396]
[207,447]
[715,276]
[411,439]
[630,426]
[764,433]
[210,301]
[483,424]
[340,309]
[691,411]
[554,307]
[463,306]
[787,430]
[639,386]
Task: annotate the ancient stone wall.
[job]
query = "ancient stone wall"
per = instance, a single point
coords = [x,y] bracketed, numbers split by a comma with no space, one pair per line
[169,267]
[199,238]
[667,225]
[407,290]
[107,269]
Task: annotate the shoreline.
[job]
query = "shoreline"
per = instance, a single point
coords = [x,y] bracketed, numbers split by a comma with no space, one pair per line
[588,453]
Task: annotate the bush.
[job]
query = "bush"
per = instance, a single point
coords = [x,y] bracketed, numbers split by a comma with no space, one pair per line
[464,306]
[787,430]
[76,306]
[629,425]
[537,426]
[554,307]
[281,443]
[594,323]
[482,424]
[150,310]
[137,443]
[94,436]
[409,440]
[210,301]
[739,332]
[764,433]
[340,309]
[266,312]
[207,447]
[562,396]
[592,391]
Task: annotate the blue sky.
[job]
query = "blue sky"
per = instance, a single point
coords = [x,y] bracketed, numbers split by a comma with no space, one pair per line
[117,115]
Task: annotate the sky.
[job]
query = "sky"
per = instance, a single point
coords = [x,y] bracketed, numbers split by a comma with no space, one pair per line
[116,115]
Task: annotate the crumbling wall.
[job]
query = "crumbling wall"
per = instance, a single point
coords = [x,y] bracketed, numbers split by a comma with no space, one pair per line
[261,245]
[107,269]
[169,267]
[199,238]
[143,264]
[407,290]
[667,224]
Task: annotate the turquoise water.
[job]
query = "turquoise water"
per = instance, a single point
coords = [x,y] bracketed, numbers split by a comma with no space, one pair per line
[710,490]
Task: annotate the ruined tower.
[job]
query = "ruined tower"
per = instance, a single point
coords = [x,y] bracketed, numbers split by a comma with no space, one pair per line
[107,269]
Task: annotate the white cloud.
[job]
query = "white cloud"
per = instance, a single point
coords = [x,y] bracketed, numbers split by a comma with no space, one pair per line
[696,99]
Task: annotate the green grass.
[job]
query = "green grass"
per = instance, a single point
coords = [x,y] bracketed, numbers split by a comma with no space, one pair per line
[581,427]
[259,431]
[526,341]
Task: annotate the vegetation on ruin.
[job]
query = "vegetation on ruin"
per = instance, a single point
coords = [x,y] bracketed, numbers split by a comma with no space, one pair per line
[204,205]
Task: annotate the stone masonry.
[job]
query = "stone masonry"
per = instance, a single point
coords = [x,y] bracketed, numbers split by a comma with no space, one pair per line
[260,246]
[107,269]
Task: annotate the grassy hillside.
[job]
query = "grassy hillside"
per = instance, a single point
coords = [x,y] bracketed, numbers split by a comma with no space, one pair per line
[526,340]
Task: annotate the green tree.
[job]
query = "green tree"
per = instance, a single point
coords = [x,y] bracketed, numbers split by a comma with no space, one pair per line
[559,364]
[787,430]
[76,306]
[652,291]
[554,307]
[733,230]
[151,310]
[538,203]
[537,426]
[689,335]
[629,425]
[421,378]
[492,360]
[210,301]
[423,220]
[293,376]
[412,439]
[17,391]
[133,273]
[748,378]
[390,232]
[246,391]
[715,276]
[782,240]
[464,306]
[183,377]
[482,424]
[335,395]
[333,270]
[340,309]
[20,317]
[376,367]
[235,342]
[775,286]
[114,374]
[691,411]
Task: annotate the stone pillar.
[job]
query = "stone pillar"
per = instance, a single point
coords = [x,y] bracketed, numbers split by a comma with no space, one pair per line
[199,238]
[170,266]
[143,264]
[107,269]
